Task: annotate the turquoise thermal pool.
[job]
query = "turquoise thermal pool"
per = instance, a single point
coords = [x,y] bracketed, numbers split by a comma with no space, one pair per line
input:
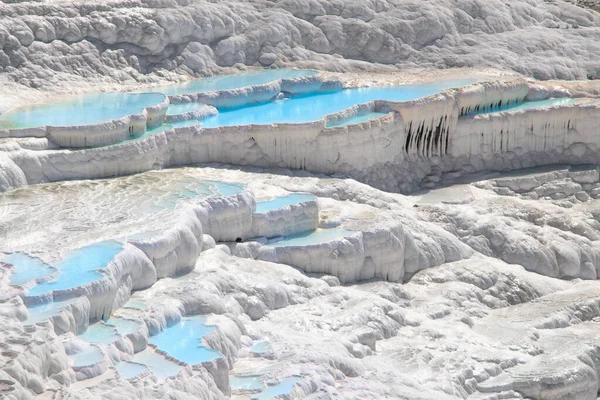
[357,119]
[26,268]
[228,82]
[82,110]
[182,341]
[313,107]
[80,267]
[280,202]
[312,238]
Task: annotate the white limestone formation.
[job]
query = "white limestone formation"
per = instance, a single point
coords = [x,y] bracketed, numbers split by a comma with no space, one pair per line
[497,328]
[415,145]
[428,264]
[145,42]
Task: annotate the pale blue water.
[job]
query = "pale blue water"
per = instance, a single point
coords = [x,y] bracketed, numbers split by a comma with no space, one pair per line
[283,387]
[182,341]
[357,119]
[227,188]
[246,383]
[85,357]
[197,190]
[136,303]
[313,107]
[42,312]
[311,238]
[100,333]
[124,326]
[176,109]
[562,101]
[227,82]
[279,202]
[26,268]
[158,364]
[80,267]
[262,347]
[82,110]
[128,370]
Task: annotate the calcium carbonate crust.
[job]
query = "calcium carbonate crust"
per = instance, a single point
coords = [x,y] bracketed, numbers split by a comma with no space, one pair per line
[418,143]
[45,44]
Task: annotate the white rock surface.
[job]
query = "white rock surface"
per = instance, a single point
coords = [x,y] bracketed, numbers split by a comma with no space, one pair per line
[482,312]
[48,42]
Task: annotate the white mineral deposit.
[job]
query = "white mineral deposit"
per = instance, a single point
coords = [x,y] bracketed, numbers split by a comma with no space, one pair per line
[300,199]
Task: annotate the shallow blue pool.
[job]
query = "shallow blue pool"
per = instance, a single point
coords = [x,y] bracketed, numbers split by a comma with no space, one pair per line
[526,105]
[42,312]
[197,190]
[312,238]
[100,333]
[313,107]
[90,356]
[82,110]
[182,341]
[283,387]
[124,326]
[26,268]
[80,267]
[227,188]
[158,364]
[357,119]
[280,202]
[128,370]
[245,383]
[236,81]
[262,347]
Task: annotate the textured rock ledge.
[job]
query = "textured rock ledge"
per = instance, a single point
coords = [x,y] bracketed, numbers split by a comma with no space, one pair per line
[417,144]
